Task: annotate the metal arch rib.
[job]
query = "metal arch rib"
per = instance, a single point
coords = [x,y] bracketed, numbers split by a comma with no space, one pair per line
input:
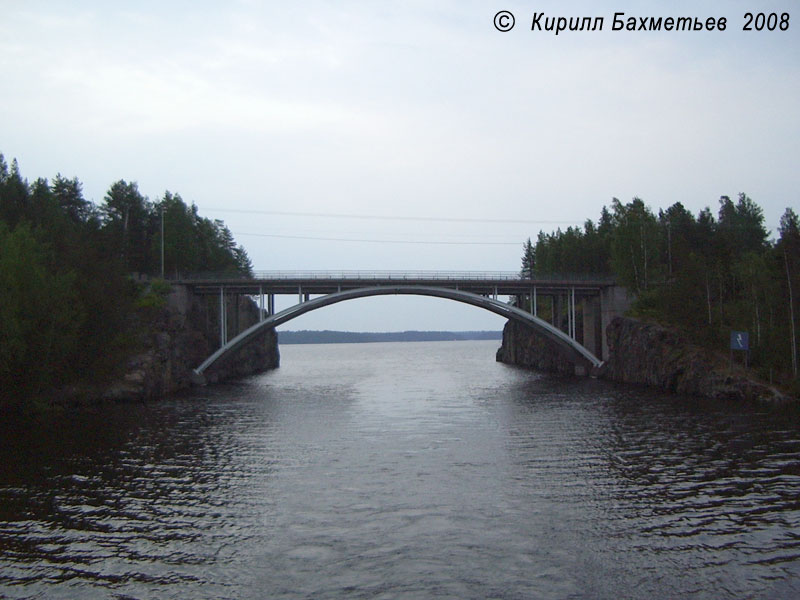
[573,348]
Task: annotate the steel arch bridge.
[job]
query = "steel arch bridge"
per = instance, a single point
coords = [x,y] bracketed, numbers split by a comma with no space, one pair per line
[572,350]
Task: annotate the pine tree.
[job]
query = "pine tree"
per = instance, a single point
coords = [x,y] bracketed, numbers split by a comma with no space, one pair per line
[528,260]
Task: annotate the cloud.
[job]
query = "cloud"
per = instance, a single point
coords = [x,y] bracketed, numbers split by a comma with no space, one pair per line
[412,108]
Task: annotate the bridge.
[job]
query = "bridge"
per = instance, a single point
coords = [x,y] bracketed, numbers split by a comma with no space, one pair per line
[569,311]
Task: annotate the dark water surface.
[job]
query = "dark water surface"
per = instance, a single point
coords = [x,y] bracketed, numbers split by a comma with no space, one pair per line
[417,470]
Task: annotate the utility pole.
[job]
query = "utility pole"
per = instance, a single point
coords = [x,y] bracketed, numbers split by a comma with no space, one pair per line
[162,240]
[791,312]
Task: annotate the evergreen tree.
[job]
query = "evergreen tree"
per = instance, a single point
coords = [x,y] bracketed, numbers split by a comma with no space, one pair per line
[634,245]
[528,260]
[66,298]
[13,193]
[69,195]
[244,266]
[181,248]
[40,316]
[708,274]
[127,219]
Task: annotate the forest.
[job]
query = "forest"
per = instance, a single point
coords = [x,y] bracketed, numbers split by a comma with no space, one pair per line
[77,280]
[705,275]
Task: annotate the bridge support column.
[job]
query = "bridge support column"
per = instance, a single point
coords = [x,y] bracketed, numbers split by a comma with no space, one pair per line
[557,311]
[573,316]
[271,304]
[570,315]
[260,304]
[235,315]
[223,318]
[591,324]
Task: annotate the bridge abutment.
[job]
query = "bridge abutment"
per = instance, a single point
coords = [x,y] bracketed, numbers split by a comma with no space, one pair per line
[225,316]
[614,302]
[585,321]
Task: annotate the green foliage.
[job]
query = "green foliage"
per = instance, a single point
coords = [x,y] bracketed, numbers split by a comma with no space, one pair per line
[150,302]
[703,274]
[528,261]
[154,296]
[128,223]
[194,244]
[67,300]
[69,195]
[160,287]
[634,245]
[40,315]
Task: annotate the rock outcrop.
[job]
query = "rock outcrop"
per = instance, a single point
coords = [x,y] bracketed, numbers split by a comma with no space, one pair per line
[180,337]
[646,353]
[523,347]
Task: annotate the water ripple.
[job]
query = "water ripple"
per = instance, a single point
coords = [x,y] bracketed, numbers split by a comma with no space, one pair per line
[396,471]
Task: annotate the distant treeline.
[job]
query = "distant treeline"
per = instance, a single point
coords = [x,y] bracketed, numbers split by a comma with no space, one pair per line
[706,275]
[72,274]
[350,337]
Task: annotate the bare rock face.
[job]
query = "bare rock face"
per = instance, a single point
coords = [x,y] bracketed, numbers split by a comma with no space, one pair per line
[645,353]
[182,335]
[523,347]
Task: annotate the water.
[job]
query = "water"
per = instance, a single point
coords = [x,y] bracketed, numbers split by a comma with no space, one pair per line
[403,471]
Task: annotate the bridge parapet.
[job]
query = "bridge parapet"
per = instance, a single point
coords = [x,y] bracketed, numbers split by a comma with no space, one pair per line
[326,282]
[397,275]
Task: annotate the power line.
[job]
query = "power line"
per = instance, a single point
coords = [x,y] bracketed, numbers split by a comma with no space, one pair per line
[403,234]
[374,241]
[369,217]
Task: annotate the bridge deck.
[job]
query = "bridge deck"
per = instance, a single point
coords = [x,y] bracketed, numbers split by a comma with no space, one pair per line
[328,282]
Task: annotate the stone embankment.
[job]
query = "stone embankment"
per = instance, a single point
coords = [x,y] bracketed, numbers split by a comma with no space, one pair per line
[182,335]
[646,354]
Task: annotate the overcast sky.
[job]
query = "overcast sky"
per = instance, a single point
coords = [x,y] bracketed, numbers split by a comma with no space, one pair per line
[401,110]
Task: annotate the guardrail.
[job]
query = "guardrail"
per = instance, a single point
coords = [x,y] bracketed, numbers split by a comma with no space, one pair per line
[391,276]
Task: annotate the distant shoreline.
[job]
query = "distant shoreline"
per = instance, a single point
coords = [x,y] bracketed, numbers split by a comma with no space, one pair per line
[353,337]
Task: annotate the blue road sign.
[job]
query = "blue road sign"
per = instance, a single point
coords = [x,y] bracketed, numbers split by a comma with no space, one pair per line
[740,340]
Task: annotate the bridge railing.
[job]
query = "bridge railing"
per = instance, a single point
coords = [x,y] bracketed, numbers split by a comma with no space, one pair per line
[424,275]
[393,275]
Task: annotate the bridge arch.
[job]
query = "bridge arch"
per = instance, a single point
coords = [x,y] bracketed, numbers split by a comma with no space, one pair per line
[571,348]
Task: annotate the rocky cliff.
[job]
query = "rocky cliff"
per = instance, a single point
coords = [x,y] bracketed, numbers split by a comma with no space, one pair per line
[649,354]
[179,337]
[646,354]
[523,347]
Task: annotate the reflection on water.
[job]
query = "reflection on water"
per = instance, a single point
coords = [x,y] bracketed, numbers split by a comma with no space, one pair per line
[403,470]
